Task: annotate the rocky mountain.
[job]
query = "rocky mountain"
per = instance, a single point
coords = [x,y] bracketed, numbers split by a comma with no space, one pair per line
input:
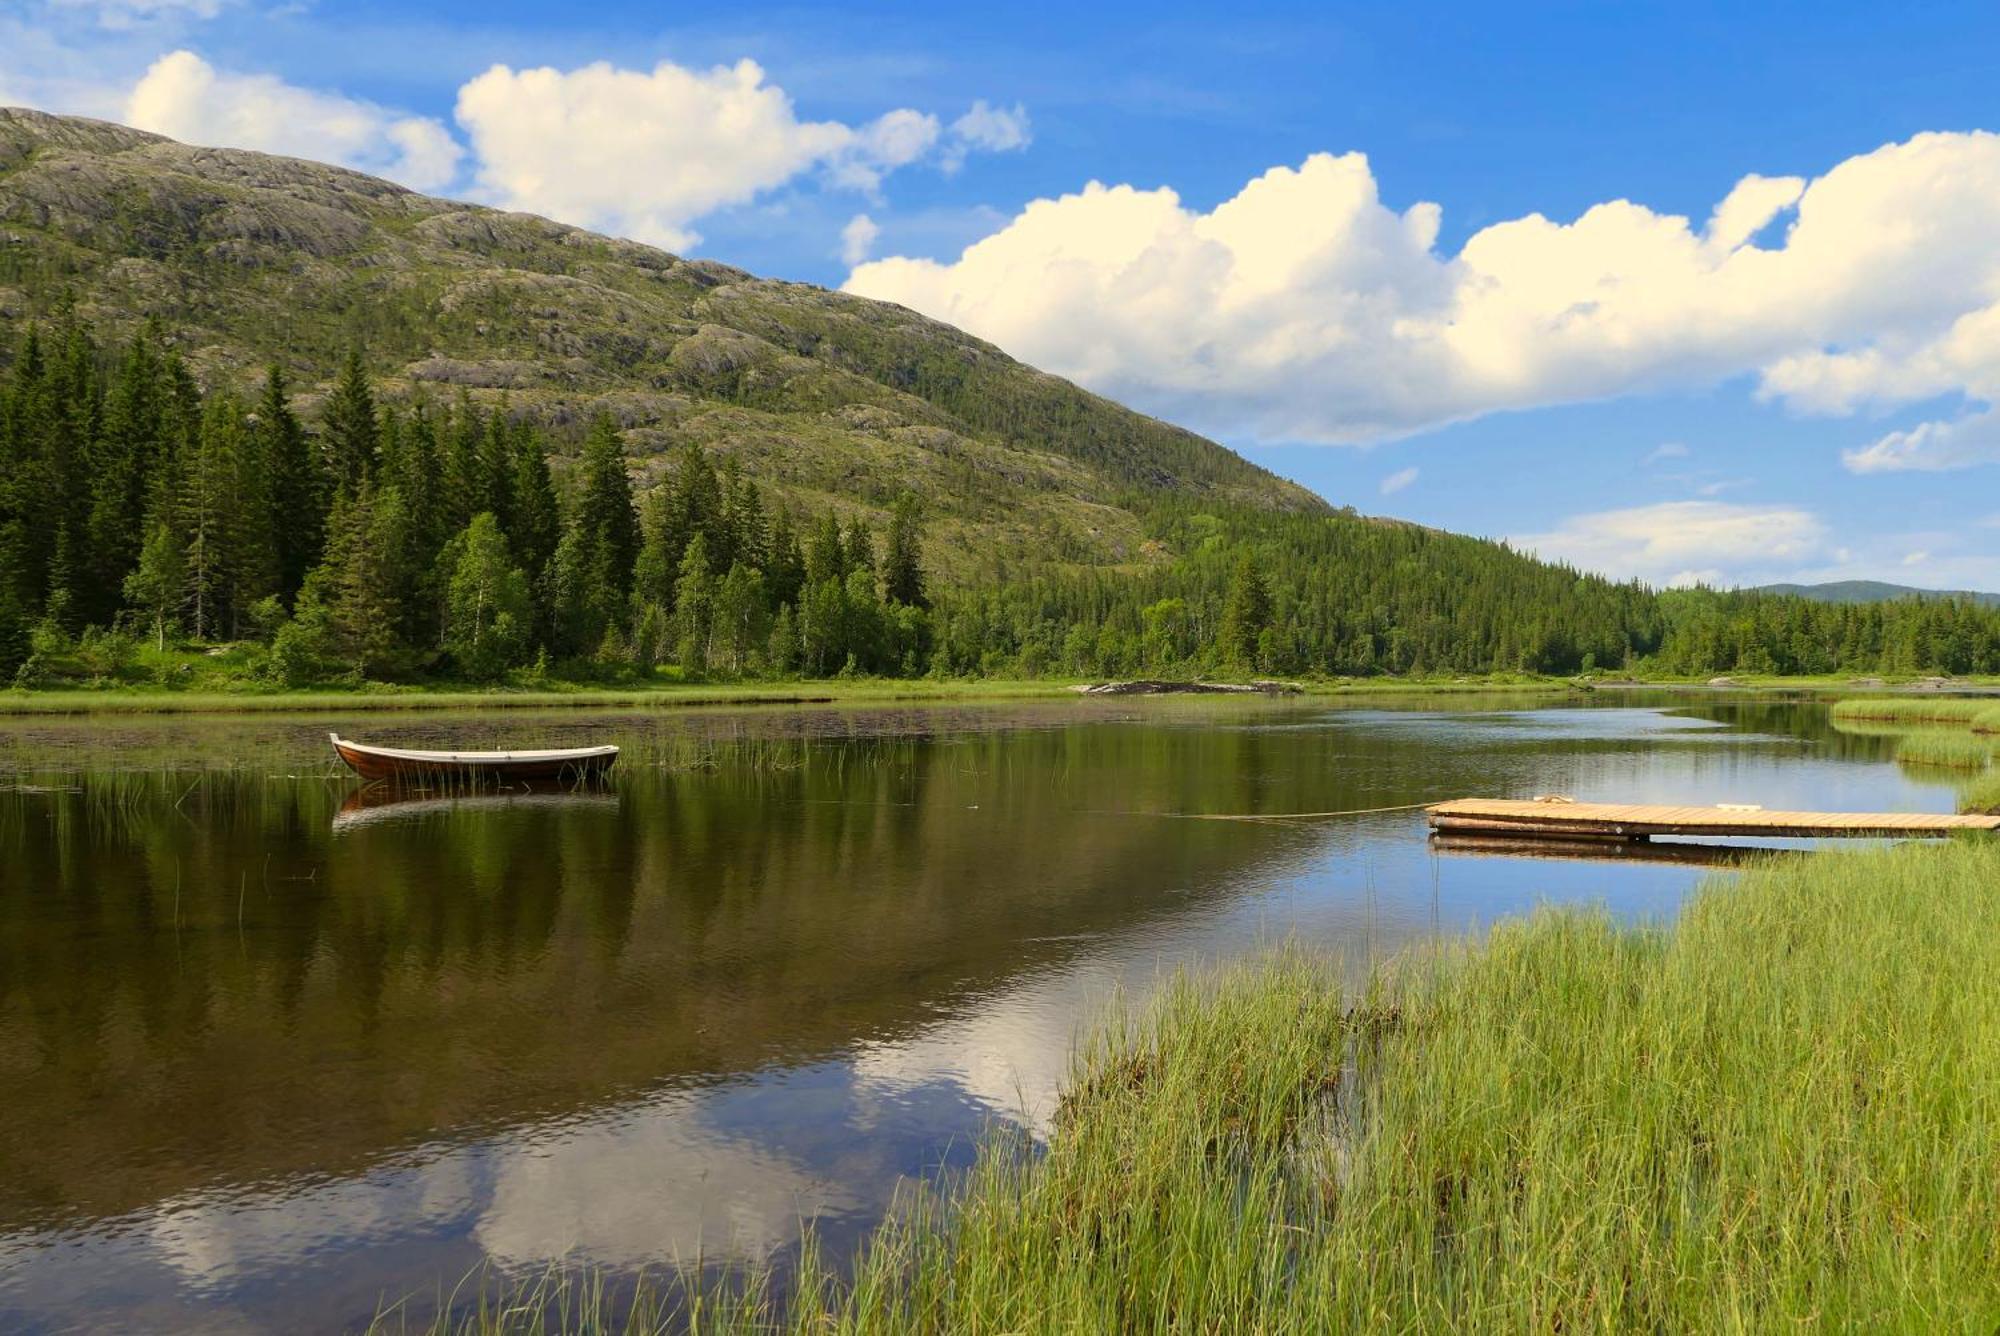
[826,399]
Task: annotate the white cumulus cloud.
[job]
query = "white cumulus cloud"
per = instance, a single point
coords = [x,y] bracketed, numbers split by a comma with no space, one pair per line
[646,153]
[987,129]
[187,98]
[1304,308]
[1398,480]
[857,239]
[1683,542]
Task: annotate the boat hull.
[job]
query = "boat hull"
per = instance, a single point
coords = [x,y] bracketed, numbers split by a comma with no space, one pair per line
[378,763]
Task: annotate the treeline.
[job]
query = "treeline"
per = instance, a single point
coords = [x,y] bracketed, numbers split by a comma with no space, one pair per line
[426,540]
[393,543]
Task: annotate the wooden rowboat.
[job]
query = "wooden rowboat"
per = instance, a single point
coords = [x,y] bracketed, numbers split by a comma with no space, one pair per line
[394,763]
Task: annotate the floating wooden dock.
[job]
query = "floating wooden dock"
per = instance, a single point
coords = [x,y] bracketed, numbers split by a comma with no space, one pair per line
[1565,820]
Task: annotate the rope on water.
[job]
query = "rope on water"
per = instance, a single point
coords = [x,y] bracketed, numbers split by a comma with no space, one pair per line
[1277,816]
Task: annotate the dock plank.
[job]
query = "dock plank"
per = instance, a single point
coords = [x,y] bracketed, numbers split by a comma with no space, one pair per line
[1637,821]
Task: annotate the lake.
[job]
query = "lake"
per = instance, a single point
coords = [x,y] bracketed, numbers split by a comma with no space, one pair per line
[275,1053]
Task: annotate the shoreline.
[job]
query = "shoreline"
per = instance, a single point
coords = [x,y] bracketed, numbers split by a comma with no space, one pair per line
[27,702]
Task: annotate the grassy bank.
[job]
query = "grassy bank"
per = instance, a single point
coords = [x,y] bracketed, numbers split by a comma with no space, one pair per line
[1783,1108]
[664,693]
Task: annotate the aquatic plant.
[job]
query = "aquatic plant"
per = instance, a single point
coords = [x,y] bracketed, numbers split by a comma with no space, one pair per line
[1783,1107]
[1982,794]
[1912,710]
[1945,749]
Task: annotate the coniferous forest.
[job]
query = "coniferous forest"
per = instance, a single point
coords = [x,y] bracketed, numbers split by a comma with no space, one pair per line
[143,514]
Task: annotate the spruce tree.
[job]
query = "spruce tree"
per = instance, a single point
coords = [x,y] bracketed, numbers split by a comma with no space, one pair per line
[537,522]
[122,475]
[1246,613]
[902,572]
[349,429]
[604,504]
[208,516]
[298,487]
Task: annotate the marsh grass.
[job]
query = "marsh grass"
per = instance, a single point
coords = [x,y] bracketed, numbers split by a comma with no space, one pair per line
[1781,1109]
[1948,749]
[1982,794]
[1912,711]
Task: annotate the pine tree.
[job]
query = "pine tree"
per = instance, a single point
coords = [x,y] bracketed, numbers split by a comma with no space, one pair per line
[860,548]
[358,581]
[349,429]
[604,507]
[123,473]
[496,466]
[1246,614]
[902,573]
[658,564]
[298,486]
[208,516]
[537,520]
[784,564]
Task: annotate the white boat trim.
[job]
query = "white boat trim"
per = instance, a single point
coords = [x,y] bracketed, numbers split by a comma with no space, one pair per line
[474,758]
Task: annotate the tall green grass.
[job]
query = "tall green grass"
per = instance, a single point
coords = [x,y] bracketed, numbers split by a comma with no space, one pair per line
[1982,794]
[1781,1110]
[1948,749]
[1912,710]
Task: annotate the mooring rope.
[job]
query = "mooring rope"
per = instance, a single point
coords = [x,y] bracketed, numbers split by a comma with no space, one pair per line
[1276,816]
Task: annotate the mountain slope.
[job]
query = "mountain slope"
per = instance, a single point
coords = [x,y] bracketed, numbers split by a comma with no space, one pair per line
[826,399]
[1872,591]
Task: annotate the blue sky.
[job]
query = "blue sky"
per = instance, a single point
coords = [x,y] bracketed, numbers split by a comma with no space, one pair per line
[1668,399]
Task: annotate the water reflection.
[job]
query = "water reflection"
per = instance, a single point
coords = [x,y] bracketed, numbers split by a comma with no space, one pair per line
[275,1047]
[382,804]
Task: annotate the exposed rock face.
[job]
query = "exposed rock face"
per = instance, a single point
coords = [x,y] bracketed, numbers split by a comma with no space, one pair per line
[830,399]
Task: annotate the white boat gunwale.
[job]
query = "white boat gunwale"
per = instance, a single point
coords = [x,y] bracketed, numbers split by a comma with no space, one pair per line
[475,758]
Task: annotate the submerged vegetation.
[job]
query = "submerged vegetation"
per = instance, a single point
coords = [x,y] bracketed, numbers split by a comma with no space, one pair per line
[1782,1107]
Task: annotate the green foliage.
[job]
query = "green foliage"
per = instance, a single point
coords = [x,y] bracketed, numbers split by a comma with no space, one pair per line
[155,585]
[489,615]
[345,521]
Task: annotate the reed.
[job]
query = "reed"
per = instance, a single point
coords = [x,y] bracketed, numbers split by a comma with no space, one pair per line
[1781,1109]
[1945,749]
[1982,794]
[1912,710]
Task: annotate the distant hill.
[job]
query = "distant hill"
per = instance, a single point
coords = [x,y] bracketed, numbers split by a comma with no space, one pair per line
[1872,591]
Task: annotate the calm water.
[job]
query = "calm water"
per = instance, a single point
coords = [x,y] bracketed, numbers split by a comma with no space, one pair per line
[270,1053]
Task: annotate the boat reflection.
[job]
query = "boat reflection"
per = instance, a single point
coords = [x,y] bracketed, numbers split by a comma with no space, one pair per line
[389,804]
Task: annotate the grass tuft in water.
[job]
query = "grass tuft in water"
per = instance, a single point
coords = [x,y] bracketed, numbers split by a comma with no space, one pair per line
[1945,749]
[1982,794]
[1912,710]
[1781,1109]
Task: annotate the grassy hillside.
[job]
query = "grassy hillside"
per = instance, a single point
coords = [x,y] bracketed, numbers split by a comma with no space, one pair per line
[823,398]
